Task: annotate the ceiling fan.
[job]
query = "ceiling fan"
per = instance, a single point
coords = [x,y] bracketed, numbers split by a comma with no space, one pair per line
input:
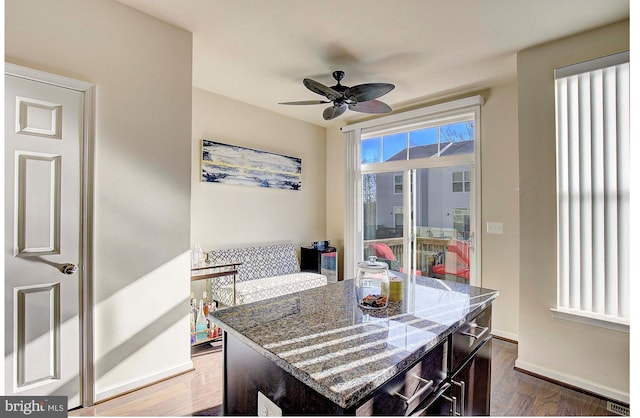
[360,98]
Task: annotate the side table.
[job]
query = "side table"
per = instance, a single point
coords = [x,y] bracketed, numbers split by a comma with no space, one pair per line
[210,272]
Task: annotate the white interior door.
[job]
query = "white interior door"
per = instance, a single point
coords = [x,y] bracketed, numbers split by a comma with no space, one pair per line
[43,236]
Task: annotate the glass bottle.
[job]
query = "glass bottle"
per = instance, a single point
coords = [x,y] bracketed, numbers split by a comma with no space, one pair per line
[205,303]
[193,313]
[201,324]
[192,320]
[197,256]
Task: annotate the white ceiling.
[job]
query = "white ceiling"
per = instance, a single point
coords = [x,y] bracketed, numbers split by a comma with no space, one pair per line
[258,51]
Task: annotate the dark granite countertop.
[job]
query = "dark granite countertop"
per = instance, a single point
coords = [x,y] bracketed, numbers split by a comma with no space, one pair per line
[321,336]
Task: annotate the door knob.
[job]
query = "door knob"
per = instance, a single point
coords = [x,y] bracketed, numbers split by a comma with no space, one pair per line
[69,268]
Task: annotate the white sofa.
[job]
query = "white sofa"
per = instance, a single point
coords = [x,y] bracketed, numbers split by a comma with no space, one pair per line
[266,271]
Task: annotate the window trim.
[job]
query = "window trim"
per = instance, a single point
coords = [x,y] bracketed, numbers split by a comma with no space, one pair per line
[412,117]
[583,317]
[395,184]
[466,182]
[592,65]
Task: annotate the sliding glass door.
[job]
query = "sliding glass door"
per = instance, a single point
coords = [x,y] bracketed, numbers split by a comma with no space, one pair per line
[443,231]
[418,199]
[420,220]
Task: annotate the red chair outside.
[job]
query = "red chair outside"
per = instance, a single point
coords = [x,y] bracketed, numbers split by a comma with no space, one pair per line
[456,261]
[383,251]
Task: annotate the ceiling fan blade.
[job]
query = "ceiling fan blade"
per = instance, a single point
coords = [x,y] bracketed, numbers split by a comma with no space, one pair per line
[321,89]
[305,102]
[370,106]
[333,112]
[369,91]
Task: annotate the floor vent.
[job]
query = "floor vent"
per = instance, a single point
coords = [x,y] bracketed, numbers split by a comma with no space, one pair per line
[617,409]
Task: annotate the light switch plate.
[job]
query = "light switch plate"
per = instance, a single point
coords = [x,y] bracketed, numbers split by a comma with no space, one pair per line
[266,408]
[494,227]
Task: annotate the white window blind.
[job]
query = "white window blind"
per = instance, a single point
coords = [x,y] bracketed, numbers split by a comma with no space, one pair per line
[592,162]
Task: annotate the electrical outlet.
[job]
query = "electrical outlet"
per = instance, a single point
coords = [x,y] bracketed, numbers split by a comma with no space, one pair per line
[266,408]
[494,227]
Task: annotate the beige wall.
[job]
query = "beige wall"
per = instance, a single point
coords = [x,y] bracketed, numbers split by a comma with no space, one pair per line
[587,356]
[142,71]
[226,215]
[499,154]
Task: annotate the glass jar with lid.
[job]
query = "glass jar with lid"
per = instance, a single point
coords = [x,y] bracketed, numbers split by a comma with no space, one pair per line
[372,284]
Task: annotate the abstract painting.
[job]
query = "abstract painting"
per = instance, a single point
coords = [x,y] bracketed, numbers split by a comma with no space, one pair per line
[231,164]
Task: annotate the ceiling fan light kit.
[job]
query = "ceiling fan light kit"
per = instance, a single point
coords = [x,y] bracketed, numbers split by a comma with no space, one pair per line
[360,98]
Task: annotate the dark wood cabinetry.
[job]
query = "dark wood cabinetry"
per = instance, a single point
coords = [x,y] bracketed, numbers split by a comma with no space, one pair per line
[471,385]
[247,372]
[468,389]
[452,378]
[471,366]
[403,394]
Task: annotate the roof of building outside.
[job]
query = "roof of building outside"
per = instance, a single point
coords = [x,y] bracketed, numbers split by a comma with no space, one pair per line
[431,150]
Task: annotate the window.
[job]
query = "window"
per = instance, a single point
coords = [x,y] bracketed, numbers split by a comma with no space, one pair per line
[461,181]
[592,165]
[416,143]
[398,216]
[397,184]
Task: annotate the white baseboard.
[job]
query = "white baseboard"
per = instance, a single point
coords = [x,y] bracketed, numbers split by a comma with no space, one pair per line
[593,387]
[505,334]
[115,390]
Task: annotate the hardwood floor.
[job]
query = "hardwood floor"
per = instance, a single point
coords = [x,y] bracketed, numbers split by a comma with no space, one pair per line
[196,393]
[199,393]
[514,393]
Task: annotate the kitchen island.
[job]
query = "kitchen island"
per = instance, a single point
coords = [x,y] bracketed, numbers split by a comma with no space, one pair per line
[317,353]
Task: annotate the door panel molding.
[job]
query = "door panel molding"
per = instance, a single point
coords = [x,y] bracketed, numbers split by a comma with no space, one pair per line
[40,342]
[39,173]
[38,118]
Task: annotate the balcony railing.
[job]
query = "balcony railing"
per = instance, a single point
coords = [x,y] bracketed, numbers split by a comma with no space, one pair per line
[427,249]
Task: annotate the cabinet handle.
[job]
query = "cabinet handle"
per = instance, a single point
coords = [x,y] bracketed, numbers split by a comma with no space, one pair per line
[462,387]
[454,405]
[477,337]
[420,392]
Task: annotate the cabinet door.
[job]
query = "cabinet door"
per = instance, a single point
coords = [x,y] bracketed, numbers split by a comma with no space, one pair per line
[469,337]
[471,385]
[309,260]
[405,392]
